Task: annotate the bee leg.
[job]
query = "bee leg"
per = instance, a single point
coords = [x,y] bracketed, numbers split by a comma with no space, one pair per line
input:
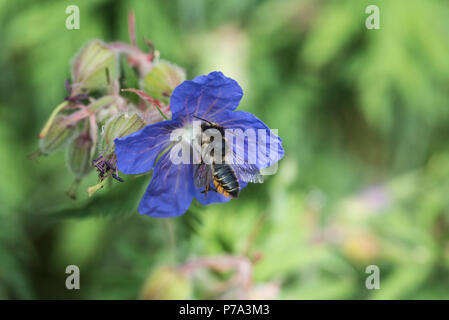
[205,191]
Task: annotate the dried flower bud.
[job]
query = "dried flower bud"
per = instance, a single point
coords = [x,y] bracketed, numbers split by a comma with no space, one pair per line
[120,126]
[163,78]
[79,155]
[166,284]
[57,136]
[90,65]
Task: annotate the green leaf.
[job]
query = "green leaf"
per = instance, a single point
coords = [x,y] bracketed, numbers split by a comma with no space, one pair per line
[121,200]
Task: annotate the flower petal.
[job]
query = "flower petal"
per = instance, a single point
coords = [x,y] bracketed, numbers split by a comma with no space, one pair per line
[205,96]
[265,150]
[212,197]
[137,152]
[170,191]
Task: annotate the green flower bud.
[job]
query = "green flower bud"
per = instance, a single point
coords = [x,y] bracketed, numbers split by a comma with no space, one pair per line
[79,155]
[119,126]
[163,78]
[104,114]
[90,65]
[57,136]
[166,284]
[101,103]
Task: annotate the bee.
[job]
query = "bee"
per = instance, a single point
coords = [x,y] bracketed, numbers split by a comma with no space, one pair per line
[223,176]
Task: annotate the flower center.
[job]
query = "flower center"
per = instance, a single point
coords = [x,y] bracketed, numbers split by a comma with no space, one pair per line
[191,132]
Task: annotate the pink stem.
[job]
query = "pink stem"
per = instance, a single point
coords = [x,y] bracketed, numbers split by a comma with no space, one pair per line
[76,116]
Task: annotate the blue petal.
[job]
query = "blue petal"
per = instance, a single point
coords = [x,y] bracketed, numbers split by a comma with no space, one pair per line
[137,152]
[170,191]
[212,197]
[205,96]
[267,154]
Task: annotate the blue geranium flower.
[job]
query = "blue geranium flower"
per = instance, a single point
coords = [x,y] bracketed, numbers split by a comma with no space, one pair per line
[213,97]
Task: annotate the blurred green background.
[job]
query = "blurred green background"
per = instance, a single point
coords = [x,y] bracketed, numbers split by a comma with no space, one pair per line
[363,115]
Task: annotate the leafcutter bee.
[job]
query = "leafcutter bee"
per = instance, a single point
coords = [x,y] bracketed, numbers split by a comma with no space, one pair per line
[224,176]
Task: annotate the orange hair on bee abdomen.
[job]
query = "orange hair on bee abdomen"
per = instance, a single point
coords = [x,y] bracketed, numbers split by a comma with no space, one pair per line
[220,189]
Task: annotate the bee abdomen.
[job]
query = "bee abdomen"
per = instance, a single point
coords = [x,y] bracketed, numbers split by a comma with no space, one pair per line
[225,180]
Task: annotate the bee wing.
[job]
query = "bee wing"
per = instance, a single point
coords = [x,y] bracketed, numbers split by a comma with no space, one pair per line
[203,175]
[248,173]
[245,171]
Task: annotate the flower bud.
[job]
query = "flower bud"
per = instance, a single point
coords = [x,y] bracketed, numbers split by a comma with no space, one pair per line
[57,136]
[79,155]
[103,115]
[166,283]
[163,78]
[100,103]
[90,65]
[120,126]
